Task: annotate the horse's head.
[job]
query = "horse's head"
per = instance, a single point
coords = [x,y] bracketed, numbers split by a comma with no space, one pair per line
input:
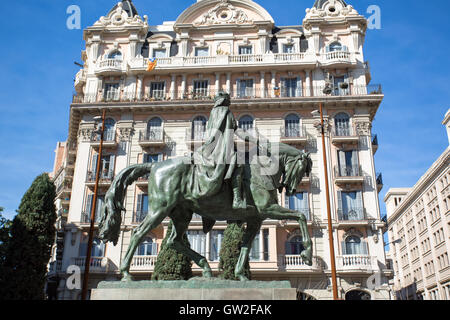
[110,219]
[296,168]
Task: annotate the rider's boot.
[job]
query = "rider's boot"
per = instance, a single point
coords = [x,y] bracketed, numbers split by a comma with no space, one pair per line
[238,198]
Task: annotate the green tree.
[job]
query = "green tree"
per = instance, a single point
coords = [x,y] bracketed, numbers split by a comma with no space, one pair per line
[230,251]
[32,235]
[5,225]
[170,264]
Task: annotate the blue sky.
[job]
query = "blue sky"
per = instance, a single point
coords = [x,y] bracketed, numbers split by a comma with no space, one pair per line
[408,56]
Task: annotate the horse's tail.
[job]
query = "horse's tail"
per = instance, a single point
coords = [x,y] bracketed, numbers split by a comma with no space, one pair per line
[111,211]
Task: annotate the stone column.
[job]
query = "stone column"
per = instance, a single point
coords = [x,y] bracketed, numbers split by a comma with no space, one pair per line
[308,88]
[273,83]
[229,83]
[173,90]
[217,85]
[140,82]
[263,85]
[183,86]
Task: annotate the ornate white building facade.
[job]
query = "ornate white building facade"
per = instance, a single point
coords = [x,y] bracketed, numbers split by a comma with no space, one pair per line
[275,76]
[419,233]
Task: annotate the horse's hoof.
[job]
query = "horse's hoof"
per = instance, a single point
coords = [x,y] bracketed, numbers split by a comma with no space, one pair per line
[243,278]
[207,274]
[126,277]
[306,257]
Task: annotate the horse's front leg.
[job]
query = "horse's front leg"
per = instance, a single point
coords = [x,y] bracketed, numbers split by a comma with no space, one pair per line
[252,229]
[277,212]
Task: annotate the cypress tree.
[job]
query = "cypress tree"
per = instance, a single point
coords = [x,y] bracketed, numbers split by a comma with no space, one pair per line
[230,251]
[172,265]
[28,250]
[5,224]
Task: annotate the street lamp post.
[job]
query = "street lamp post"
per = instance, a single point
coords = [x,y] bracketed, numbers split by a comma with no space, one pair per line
[328,91]
[93,209]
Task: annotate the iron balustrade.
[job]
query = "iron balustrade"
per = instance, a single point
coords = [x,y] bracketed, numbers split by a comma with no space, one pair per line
[108,136]
[209,94]
[348,171]
[152,135]
[105,176]
[293,132]
[352,214]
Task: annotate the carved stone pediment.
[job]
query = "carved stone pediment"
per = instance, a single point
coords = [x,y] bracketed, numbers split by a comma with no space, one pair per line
[119,18]
[353,232]
[223,13]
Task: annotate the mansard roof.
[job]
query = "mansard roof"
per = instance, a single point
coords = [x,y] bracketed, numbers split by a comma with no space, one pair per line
[319,3]
[128,7]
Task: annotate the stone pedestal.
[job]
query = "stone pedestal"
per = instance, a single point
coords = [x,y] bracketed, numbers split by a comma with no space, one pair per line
[194,289]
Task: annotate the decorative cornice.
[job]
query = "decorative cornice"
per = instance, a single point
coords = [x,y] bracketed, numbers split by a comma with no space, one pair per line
[352,232]
[363,128]
[223,13]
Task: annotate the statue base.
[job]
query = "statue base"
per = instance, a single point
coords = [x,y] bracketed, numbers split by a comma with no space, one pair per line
[194,289]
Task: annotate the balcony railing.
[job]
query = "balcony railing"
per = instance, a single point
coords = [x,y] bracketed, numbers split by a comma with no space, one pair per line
[355,262]
[352,214]
[153,135]
[110,65]
[296,262]
[86,216]
[143,263]
[348,171]
[293,132]
[337,55]
[249,94]
[105,177]
[97,265]
[108,136]
[139,216]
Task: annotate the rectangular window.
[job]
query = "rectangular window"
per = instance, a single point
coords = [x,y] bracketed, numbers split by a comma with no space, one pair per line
[291,87]
[88,208]
[106,168]
[245,50]
[197,239]
[159,53]
[245,88]
[152,158]
[299,202]
[348,164]
[254,254]
[201,88]
[112,91]
[339,88]
[202,52]
[157,90]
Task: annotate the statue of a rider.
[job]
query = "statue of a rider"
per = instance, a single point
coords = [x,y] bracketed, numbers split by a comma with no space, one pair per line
[216,161]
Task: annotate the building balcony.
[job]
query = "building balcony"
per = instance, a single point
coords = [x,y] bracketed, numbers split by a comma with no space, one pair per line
[109,140]
[139,216]
[105,178]
[54,267]
[208,94]
[152,138]
[225,61]
[344,136]
[295,136]
[337,59]
[294,262]
[348,175]
[356,215]
[97,265]
[80,80]
[143,263]
[356,263]
[375,144]
[110,67]
[379,182]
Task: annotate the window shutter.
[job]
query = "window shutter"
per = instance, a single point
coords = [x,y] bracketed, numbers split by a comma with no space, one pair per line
[299,90]
[89,202]
[283,87]
[344,247]
[342,163]
[111,166]
[94,164]
[364,248]
[154,249]
[340,207]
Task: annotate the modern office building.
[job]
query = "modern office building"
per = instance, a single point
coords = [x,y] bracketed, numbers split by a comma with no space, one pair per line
[419,232]
[275,76]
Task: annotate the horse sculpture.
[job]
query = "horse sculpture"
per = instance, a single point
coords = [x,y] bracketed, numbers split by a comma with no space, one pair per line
[169,191]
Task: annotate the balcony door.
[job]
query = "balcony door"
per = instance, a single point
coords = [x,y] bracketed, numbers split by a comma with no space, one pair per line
[354,246]
[98,247]
[298,202]
[106,166]
[202,52]
[291,87]
[199,128]
[338,83]
[245,50]
[245,88]
[348,163]
[154,129]
[294,246]
[98,207]
[292,126]
[147,248]
[215,244]
[197,240]
[109,132]
[342,125]
[350,205]
[157,90]
[246,123]
[112,91]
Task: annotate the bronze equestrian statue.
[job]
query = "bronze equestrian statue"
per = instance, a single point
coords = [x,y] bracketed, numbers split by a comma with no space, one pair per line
[215,186]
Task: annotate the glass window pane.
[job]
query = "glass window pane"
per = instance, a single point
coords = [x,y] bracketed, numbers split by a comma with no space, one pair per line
[201,52]
[159,53]
[245,50]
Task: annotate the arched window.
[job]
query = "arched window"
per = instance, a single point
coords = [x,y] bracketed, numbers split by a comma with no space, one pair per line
[335,46]
[354,246]
[116,55]
[342,124]
[199,128]
[294,245]
[154,129]
[292,126]
[147,248]
[303,44]
[246,123]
